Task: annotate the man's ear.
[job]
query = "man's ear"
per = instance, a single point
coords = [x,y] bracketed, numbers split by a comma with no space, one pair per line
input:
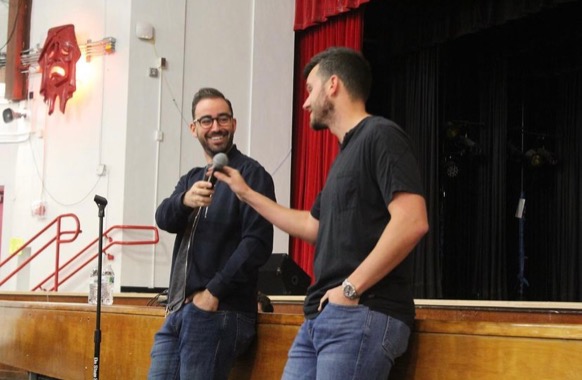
[192,128]
[333,84]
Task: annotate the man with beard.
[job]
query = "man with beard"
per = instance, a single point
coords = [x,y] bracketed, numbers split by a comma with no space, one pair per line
[220,244]
[364,223]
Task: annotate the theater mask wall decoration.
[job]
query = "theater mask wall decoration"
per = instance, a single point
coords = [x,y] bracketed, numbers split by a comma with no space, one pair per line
[58,66]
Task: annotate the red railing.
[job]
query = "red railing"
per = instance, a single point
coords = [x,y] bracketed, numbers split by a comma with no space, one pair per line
[107,235]
[58,238]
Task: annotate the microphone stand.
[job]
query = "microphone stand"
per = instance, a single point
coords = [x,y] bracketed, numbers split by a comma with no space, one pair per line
[101,203]
[520,214]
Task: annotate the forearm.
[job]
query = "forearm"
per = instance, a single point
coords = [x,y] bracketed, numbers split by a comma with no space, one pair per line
[172,214]
[405,229]
[297,223]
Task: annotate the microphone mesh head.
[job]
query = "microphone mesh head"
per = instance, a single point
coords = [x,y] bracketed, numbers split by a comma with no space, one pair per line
[219,161]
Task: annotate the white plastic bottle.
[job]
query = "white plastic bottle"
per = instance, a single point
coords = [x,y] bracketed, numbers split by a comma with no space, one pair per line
[93,278]
[108,285]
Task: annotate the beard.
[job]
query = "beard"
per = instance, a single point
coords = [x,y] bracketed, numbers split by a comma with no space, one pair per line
[211,150]
[321,117]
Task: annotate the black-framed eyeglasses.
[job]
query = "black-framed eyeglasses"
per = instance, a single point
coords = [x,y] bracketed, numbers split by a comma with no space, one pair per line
[206,122]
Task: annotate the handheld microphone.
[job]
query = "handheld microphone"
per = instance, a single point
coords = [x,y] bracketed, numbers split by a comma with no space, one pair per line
[219,161]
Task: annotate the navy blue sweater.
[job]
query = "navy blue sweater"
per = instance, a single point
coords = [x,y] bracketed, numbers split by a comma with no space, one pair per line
[231,240]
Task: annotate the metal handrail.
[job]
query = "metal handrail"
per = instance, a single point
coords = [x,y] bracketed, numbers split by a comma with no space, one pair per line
[57,238]
[111,243]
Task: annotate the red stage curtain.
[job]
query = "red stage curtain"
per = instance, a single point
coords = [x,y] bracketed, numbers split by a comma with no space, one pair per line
[311,12]
[313,152]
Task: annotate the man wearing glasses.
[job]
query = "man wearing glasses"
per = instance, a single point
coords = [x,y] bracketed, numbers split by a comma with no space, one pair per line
[220,244]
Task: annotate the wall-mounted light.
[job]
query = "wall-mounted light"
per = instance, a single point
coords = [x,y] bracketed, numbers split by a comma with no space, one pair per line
[8,115]
[98,48]
[104,46]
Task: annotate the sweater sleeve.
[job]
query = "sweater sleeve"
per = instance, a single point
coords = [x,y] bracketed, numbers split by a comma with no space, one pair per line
[172,214]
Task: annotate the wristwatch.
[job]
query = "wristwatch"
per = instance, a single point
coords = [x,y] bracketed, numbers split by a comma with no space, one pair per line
[349,290]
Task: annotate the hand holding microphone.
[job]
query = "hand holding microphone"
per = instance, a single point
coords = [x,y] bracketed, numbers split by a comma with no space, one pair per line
[200,193]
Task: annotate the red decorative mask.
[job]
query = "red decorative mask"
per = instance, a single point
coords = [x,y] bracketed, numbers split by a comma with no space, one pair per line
[57,62]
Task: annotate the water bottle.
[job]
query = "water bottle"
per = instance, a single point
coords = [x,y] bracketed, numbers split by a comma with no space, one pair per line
[107,286]
[93,279]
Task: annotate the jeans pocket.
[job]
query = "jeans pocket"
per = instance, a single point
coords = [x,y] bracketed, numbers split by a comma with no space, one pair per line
[195,309]
[340,307]
[396,336]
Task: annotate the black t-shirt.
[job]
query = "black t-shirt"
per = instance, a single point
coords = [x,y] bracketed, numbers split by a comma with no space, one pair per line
[376,160]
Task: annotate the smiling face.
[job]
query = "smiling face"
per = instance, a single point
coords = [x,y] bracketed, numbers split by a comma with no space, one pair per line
[217,137]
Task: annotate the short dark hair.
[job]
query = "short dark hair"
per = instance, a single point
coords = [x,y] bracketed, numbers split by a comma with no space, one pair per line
[349,65]
[209,93]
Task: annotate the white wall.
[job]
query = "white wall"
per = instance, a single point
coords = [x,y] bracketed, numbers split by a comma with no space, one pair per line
[242,47]
[57,163]
[3,21]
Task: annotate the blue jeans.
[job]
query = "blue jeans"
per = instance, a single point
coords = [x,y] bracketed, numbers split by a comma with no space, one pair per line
[195,344]
[346,342]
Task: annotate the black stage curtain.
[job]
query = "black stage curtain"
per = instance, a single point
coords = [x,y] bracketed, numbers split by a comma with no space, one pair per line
[565,259]
[415,86]
[483,88]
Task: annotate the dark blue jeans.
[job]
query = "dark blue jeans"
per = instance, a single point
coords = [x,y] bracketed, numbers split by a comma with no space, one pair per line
[346,342]
[195,344]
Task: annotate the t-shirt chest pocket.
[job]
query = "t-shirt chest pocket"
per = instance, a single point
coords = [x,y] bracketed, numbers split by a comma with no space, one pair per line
[345,192]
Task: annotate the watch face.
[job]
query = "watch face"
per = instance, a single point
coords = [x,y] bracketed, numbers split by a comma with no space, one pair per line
[349,291]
